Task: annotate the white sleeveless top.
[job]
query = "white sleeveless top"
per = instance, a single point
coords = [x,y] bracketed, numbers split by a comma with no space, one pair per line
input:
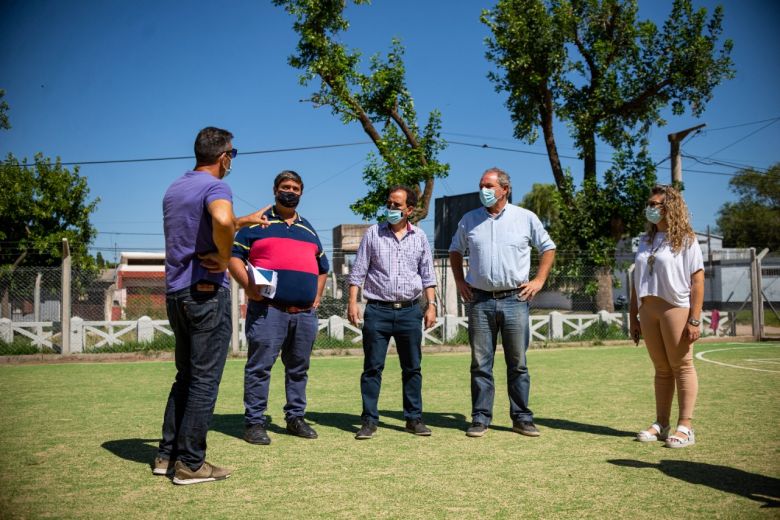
[671,273]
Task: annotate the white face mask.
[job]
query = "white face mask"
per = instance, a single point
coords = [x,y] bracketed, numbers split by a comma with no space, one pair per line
[653,215]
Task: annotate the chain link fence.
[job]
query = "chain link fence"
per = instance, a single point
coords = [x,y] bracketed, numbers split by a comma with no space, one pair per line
[123,309]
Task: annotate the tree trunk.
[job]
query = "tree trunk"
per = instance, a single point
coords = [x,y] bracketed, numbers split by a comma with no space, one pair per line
[604,291]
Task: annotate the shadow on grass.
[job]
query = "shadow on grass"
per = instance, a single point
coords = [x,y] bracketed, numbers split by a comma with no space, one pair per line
[454,421]
[135,450]
[595,429]
[749,485]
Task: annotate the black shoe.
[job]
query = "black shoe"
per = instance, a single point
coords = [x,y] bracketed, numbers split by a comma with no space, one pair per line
[477,429]
[417,427]
[256,434]
[525,428]
[297,426]
[366,431]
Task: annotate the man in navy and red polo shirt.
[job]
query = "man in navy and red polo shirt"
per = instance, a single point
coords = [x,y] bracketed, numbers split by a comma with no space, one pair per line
[286,323]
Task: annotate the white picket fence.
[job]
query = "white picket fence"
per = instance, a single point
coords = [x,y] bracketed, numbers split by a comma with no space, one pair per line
[92,335]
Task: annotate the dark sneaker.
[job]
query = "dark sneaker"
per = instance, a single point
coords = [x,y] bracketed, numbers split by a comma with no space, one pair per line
[256,434]
[525,428]
[297,426]
[162,467]
[206,473]
[417,427]
[366,431]
[477,429]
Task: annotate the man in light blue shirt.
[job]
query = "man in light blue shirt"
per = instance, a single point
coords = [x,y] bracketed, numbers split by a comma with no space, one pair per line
[498,239]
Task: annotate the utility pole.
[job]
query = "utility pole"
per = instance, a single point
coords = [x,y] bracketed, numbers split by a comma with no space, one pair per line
[674,155]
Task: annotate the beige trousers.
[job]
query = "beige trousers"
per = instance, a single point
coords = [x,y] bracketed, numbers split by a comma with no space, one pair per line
[664,330]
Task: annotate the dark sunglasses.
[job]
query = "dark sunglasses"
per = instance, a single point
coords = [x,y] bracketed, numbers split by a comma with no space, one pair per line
[232,152]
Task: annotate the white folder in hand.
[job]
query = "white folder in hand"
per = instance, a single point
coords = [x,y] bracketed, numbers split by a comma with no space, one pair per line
[264,279]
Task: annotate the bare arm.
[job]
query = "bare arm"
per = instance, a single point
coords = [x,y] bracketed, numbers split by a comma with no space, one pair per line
[456,264]
[430,310]
[321,279]
[258,217]
[353,310]
[238,271]
[529,289]
[697,301]
[633,311]
[221,212]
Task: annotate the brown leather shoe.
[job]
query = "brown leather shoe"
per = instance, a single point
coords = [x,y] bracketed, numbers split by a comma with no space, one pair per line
[206,473]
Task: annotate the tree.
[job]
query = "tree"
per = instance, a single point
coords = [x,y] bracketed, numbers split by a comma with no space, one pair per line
[608,76]
[379,101]
[754,220]
[40,204]
[4,123]
[543,200]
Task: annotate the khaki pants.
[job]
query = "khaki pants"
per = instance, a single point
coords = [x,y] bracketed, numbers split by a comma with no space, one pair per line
[664,330]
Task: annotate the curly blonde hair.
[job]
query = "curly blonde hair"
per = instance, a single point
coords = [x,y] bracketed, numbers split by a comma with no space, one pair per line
[679,233]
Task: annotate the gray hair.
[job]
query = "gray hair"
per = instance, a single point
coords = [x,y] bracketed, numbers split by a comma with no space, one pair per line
[503,177]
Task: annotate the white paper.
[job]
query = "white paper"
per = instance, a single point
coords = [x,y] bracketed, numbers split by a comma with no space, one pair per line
[264,279]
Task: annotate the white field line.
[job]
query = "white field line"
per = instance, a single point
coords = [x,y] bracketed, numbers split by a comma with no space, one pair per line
[700,356]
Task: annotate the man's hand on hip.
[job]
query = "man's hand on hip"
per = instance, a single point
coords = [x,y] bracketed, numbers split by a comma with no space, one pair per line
[213,262]
[529,289]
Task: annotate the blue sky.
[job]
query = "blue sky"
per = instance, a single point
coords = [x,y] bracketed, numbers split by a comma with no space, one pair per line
[109,79]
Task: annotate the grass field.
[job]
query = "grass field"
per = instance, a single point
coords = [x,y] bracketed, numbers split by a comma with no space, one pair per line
[78,439]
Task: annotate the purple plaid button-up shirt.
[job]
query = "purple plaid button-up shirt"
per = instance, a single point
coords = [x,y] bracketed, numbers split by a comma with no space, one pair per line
[393,270]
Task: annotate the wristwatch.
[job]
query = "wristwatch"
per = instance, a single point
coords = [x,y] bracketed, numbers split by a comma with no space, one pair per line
[431,302]
[694,322]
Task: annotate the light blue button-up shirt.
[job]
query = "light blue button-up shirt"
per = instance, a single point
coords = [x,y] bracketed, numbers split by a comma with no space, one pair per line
[499,248]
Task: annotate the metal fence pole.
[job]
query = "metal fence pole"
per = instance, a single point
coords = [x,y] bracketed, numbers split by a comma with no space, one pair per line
[65,311]
[755,294]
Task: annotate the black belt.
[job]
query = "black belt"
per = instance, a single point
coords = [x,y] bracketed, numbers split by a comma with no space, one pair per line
[395,305]
[289,309]
[496,295]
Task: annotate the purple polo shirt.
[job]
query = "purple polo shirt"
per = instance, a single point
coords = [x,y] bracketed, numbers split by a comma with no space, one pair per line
[188,229]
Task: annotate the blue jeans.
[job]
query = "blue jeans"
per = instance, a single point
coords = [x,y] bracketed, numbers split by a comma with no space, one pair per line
[270,331]
[488,318]
[379,325]
[200,320]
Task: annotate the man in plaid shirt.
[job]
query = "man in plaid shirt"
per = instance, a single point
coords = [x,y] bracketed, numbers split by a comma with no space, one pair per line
[394,266]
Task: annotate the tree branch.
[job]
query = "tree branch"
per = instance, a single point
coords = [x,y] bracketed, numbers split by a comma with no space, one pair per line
[546,113]
[637,102]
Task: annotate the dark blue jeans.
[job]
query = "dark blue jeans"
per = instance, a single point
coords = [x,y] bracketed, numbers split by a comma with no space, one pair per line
[200,320]
[488,318]
[379,325]
[270,331]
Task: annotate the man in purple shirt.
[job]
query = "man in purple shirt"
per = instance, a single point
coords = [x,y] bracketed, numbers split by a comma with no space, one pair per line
[395,267]
[199,226]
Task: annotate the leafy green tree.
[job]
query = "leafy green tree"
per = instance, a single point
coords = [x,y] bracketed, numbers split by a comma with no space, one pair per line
[5,124]
[379,101]
[754,220]
[593,65]
[40,204]
[543,200]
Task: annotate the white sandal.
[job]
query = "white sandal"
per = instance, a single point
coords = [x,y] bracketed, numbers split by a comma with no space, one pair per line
[676,442]
[646,436]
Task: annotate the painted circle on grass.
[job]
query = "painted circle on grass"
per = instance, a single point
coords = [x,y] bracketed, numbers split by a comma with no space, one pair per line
[764,364]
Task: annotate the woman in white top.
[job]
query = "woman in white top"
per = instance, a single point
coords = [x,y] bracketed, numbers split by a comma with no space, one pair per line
[665,309]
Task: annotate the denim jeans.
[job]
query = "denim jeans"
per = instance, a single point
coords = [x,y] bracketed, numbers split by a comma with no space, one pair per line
[379,325]
[270,331]
[487,318]
[200,320]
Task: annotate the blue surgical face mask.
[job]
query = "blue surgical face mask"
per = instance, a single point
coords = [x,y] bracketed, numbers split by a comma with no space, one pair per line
[653,215]
[487,196]
[394,216]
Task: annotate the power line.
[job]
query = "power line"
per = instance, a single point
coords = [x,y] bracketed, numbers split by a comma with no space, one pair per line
[190,157]
[770,123]
[750,123]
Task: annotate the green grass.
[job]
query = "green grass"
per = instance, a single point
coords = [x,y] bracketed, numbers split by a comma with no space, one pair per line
[745,317]
[77,441]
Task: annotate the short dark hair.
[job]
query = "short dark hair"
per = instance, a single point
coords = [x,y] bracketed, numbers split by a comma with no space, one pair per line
[411,195]
[287,175]
[210,143]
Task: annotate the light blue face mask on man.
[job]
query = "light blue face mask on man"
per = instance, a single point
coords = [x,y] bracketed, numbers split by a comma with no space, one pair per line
[393,216]
[487,196]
